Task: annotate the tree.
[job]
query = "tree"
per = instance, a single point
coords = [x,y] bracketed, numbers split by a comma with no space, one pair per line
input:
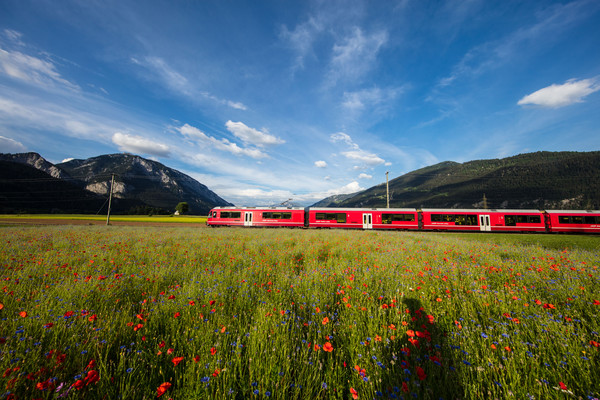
[182,207]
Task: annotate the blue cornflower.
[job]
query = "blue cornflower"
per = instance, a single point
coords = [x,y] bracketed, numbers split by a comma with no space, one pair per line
[256,392]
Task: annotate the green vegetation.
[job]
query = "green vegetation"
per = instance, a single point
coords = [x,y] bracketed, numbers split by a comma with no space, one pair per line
[127,218]
[542,180]
[186,313]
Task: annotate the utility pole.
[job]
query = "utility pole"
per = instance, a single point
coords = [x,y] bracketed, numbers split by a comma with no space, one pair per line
[387,188]
[112,183]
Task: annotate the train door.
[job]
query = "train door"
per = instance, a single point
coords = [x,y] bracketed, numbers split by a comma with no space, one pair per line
[367,221]
[248,218]
[484,223]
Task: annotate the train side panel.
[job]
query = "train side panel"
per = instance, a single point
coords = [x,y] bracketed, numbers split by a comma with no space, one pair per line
[573,221]
[256,217]
[363,218]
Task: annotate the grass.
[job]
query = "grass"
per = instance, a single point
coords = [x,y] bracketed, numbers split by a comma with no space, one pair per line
[548,241]
[126,218]
[138,312]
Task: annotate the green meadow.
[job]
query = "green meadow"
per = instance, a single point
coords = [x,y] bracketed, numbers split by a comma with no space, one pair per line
[115,312]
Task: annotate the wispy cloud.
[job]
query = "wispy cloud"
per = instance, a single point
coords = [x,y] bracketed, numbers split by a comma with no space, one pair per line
[555,96]
[8,145]
[32,70]
[158,70]
[355,55]
[139,144]
[490,55]
[301,39]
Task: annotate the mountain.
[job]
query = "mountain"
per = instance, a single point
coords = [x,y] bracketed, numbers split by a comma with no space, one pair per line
[140,184]
[26,189]
[332,201]
[542,180]
[144,180]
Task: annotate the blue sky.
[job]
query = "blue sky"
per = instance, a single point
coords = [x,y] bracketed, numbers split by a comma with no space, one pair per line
[263,101]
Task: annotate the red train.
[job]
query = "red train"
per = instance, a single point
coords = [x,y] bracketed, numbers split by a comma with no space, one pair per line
[426,219]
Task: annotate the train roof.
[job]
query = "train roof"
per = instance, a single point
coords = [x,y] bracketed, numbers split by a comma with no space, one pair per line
[258,208]
[361,209]
[480,210]
[573,211]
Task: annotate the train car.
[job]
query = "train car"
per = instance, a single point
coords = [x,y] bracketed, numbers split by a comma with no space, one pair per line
[256,216]
[483,220]
[573,221]
[364,218]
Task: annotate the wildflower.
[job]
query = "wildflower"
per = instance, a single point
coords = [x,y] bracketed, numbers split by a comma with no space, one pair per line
[163,388]
[562,386]
[328,347]
[196,359]
[354,393]
[325,321]
[213,351]
[176,315]
[23,314]
[177,360]
[421,373]
[92,377]
[91,364]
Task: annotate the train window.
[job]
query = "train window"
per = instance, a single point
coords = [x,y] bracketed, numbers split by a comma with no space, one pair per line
[458,219]
[230,214]
[512,220]
[389,218]
[590,219]
[564,219]
[535,219]
[338,217]
[277,215]
[577,219]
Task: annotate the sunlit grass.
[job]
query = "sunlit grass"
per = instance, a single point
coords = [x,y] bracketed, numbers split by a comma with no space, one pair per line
[126,218]
[124,312]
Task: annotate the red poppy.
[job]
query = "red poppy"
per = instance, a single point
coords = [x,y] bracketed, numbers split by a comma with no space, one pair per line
[213,351]
[91,364]
[196,359]
[192,303]
[410,333]
[177,360]
[325,321]
[404,387]
[354,393]
[421,373]
[93,318]
[23,314]
[562,386]
[171,297]
[328,347]
[163,388]
[211,302]
[92,377]
[217,372]
[177,314]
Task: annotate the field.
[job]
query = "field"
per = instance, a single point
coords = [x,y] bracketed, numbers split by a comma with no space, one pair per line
[194,313]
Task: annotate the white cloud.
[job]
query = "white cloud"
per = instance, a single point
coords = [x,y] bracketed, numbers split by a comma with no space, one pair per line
[320,164]
[222,144]
[365,176]
[343,137]
[555,96]
[138,144]
[356,154]
[67,160]
[32,70]
[252,136]
[8,145]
